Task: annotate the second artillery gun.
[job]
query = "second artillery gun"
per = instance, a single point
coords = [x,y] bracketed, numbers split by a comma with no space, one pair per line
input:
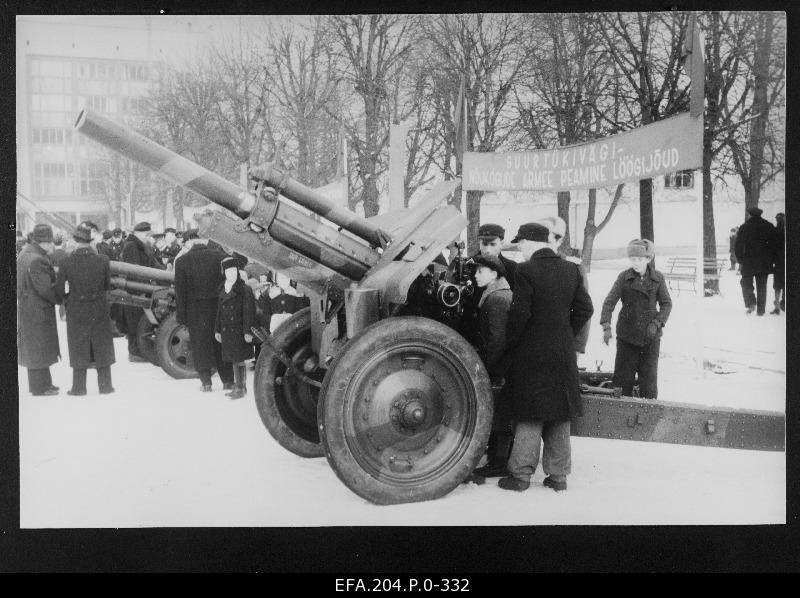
[371,375]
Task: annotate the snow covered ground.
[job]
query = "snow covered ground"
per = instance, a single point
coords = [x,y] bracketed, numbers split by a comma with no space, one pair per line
[158,452]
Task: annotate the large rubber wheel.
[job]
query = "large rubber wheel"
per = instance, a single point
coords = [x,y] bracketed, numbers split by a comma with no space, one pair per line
[405,411]
[174,350]
[146,339]
[288,405]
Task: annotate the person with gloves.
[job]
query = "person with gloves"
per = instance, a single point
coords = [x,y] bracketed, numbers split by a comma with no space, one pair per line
[236,315]
[646,305]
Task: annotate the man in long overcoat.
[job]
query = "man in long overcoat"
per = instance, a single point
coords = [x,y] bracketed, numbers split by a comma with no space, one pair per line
[755,251]
[550,306]
[136,250]
[37,335]
[83,281]
[197,280]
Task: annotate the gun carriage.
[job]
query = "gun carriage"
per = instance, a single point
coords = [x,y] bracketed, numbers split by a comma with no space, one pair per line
[373,375]
[161,340]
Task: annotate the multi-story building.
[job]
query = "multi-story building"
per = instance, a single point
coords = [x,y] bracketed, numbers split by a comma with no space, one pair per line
[66,63]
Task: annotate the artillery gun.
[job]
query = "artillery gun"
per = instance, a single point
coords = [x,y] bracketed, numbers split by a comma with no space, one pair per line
[373,375]
[161,340]
[399,402]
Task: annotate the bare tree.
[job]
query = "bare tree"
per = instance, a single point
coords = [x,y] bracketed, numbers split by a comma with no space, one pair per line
[646,48]
[303,85]
[558,103]
[486,52]
[243,108]
[371,51]
[757,148]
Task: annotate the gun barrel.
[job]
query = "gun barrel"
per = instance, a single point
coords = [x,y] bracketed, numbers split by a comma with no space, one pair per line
[319,204]
[134,286]
[164,162]
[141,273]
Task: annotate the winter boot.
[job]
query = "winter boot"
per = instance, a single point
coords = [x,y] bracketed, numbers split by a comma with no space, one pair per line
[498,456]
[557,485]
[239,379]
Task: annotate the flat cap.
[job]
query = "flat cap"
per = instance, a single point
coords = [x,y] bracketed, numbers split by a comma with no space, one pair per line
[754,211]
[190,233]
[532,231]
[142,227]
[490,231]
[490,261]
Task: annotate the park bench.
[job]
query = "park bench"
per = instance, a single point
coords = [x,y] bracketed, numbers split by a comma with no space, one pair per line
[683,269]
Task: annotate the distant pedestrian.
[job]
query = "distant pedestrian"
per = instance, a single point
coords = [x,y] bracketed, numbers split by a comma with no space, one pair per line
[197,281]
[549,307]
[83,281]
[284,301]
[236,315]
[779,269]
[732,243]
[37,334]
[646,306]
[755,251]
[103,247]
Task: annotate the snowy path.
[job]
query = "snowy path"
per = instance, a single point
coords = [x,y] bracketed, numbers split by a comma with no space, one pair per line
[159,453]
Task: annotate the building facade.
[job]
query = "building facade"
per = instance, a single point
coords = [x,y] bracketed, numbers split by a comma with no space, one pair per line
[65,64]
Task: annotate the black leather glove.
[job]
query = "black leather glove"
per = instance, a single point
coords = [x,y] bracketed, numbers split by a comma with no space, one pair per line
[651,331]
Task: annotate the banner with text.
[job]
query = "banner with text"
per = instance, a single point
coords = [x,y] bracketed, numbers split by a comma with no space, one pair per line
[665,146]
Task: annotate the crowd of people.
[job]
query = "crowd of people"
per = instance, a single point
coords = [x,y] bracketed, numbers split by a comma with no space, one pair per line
[528,320]
[215,298]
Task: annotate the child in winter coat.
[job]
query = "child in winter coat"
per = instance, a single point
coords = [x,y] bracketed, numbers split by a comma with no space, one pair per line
[236,314]
[646,305]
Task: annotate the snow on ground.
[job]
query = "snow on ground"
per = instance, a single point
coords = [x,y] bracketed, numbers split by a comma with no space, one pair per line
[158,452]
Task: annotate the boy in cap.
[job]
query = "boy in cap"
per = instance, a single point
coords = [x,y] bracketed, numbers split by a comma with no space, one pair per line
[37,335]
[549,307]
[494,304]
[236,315]
[646,305]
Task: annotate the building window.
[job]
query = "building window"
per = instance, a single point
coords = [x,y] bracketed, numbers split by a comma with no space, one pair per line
[52,136]
[52,178]
[134,72]
[683,179]
[92,179]
[99,103]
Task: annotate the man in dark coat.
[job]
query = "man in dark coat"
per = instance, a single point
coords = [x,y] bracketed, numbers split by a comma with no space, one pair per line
[197,281]
[116,242]
[755,251]
[550,305]
[558,230]
[104,246]
[37,335]
[236,316]
[646,306]
[490,237]
[83,281]
[137,250]
[778,276]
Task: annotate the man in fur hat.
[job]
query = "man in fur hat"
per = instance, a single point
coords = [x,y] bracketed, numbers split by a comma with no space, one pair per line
[640,288]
